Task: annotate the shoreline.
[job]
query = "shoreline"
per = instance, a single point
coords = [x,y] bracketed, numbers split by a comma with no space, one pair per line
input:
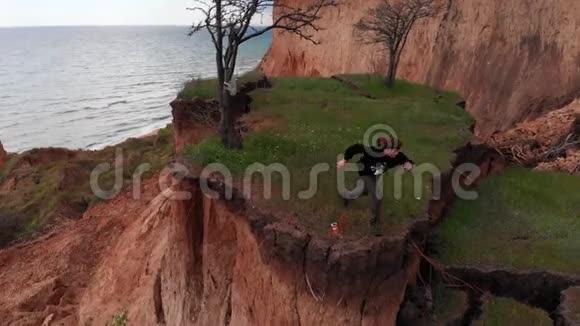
[151,133]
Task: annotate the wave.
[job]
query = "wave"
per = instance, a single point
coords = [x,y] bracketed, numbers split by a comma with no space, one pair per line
[165,117]
[110,105]
[116,103]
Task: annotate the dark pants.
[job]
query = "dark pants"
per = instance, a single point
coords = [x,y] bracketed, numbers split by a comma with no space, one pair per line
[374,187]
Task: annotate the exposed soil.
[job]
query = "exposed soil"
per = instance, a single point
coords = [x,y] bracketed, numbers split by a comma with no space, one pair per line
[568,312]
[49,275]
[550,142]
[193,119]
[3,156]
[44,187]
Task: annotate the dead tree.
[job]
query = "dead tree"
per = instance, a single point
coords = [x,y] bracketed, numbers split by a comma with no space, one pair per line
[228,23]
[389,24]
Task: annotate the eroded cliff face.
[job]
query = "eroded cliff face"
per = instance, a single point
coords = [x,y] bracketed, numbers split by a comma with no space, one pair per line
[197,260]
[203,261]
[511,60]
[3,156]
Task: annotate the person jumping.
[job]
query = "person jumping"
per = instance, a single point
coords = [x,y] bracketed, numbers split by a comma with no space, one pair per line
[375,160]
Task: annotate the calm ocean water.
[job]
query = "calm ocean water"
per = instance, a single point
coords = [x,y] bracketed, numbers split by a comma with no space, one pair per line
[88,87]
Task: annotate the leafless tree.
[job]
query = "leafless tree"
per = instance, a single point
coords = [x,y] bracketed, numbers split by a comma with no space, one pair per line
[389,24]
[228,22]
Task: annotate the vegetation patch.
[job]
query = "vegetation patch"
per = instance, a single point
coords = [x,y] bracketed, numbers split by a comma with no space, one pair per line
[41,185]
[207,88]
[119,319]
[322,117]
[503,311]
[522,219]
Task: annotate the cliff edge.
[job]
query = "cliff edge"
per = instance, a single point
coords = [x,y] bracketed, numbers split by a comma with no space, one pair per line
[3,156]
[511,60]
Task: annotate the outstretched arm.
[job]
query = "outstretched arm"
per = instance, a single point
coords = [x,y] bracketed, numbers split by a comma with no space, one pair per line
[353,150]
[349,153]
[403,160]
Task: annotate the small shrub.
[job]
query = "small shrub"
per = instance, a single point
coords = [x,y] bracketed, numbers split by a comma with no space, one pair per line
[119,319]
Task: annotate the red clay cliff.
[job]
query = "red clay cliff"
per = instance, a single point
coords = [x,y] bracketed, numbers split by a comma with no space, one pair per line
[509,61]
[3,156]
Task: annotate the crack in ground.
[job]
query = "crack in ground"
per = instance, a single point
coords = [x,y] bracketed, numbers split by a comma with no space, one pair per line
[540,289]
[367,290]
[304,250]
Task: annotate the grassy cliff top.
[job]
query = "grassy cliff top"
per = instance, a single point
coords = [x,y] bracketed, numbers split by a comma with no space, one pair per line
[522,219]
[313,120]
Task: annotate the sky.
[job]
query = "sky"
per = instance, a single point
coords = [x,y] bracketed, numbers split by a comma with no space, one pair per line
[14,13]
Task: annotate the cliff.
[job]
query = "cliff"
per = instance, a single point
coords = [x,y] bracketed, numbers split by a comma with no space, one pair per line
[3,156]
[196,260]
[511,60]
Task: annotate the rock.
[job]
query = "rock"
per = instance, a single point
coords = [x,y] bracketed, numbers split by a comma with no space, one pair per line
[3,156]
[568,312]
[492,52]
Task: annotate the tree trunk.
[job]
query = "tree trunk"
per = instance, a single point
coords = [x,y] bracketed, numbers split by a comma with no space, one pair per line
[231,138]
[390,79]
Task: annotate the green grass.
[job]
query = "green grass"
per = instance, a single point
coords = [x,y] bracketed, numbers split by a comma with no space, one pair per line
[319,118]
[207,88]
[507,312]
[38,195]
[119,319]
[522,219]
[202,88]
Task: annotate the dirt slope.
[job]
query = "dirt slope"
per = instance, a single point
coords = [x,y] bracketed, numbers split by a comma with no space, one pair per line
[195,262]
[3,156]
[550,142]
[49,275]
[511,60]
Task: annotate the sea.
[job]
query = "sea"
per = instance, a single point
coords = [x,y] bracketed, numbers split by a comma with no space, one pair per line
[90,87]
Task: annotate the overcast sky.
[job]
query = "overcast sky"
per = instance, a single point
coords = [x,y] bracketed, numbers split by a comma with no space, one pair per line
[97,12]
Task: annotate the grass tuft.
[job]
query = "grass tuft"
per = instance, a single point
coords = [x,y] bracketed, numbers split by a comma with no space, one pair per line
[503,311]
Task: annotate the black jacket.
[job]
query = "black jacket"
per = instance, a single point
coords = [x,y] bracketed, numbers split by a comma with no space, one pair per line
[373,161]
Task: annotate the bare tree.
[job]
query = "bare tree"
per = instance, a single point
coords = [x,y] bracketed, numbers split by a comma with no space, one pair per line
[389,24]
[228,22]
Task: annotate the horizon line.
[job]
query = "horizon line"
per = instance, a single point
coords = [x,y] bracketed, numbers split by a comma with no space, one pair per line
[97,25]
[108,25]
